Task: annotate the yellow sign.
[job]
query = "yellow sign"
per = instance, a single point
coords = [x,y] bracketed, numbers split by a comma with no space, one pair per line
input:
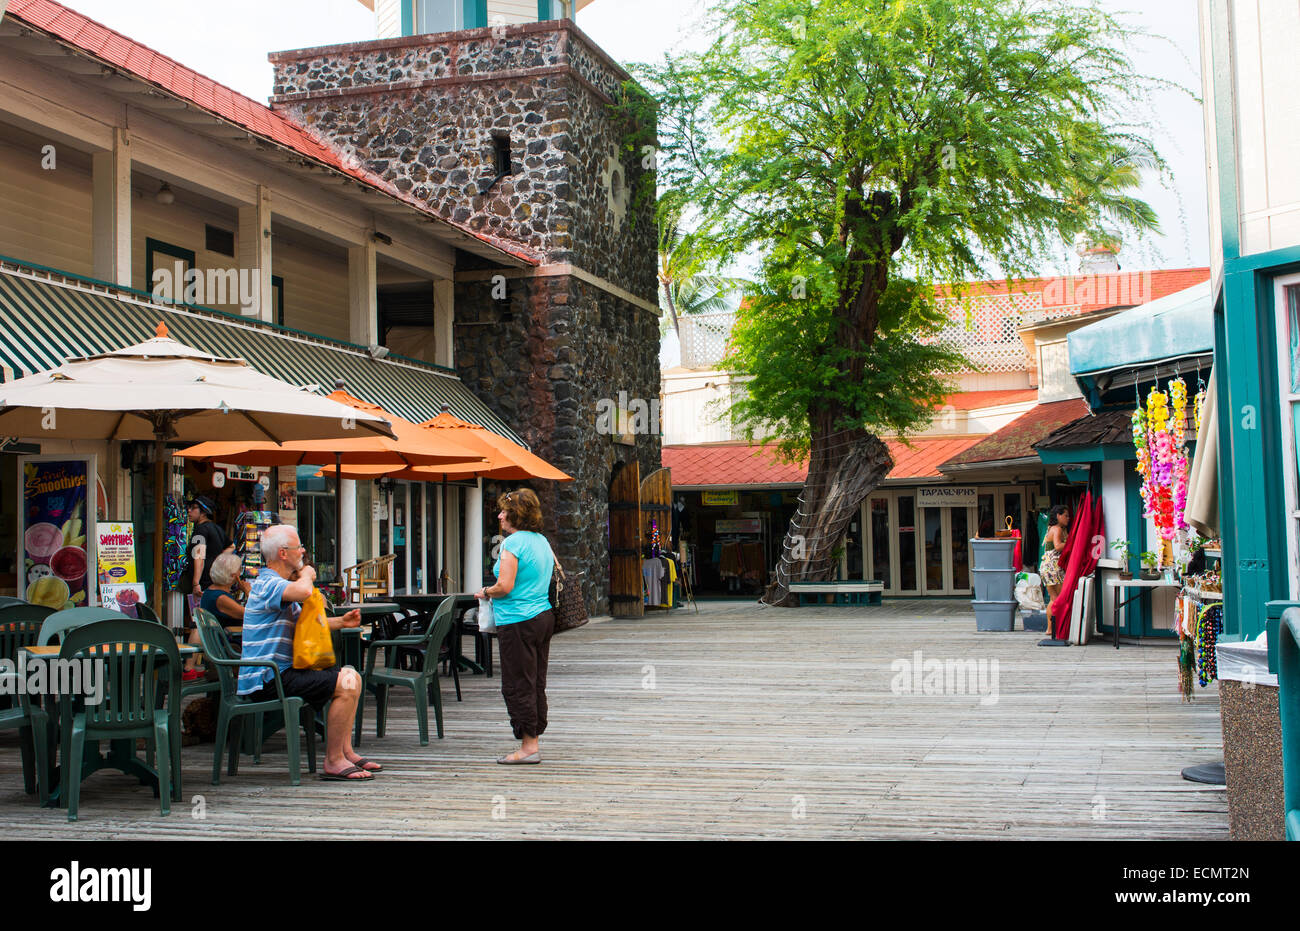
[719,499]
[116,552]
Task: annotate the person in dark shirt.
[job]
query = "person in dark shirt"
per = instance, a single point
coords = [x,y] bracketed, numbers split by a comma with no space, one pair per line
[207,542]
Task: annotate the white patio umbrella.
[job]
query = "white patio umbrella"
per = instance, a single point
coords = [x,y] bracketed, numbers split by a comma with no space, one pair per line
[162,390]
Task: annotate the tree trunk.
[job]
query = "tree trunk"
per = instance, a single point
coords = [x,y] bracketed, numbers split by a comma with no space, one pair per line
[844,467]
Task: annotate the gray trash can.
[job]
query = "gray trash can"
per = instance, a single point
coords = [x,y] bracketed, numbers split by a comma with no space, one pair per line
[993,578]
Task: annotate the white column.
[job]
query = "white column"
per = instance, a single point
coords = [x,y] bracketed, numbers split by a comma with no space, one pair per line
[363,300]
[111,211]
[474,537]
[408,526]
[348,505]
[424,537]
[444,318]
[439,535]
[255,252]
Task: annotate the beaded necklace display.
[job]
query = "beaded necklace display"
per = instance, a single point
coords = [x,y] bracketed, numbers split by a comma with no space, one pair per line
[1209,624]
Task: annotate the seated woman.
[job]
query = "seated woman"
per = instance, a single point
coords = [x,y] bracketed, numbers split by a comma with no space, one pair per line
[219,598]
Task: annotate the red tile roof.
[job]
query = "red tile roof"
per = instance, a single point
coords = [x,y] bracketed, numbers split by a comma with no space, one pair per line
[1092,292]
[738,464]
[1016,439]
[117,50]
[976,400]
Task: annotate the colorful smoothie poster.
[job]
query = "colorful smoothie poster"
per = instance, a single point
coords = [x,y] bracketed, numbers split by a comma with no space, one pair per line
[54,528]
[116,554]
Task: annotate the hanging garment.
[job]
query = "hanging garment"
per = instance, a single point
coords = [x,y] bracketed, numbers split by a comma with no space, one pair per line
[175,534]
[652,574]
[672,581]
[1078,559]
[730,566]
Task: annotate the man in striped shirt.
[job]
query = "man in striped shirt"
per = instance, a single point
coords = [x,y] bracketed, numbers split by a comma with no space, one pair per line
[269,619]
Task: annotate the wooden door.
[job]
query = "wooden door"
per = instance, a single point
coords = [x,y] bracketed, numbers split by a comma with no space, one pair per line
[625,543]
[657,507]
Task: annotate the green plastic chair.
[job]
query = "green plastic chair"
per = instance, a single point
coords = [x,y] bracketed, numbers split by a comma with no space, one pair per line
[34,735]
[1288,658]
[146,613]
[20,626]
[61,622]
[422,682]
[133,654]
[216,646]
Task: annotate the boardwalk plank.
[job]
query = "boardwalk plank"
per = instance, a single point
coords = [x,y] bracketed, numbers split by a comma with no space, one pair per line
[761,723]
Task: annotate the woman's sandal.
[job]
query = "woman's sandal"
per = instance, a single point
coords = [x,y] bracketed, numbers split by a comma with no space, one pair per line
[347,775]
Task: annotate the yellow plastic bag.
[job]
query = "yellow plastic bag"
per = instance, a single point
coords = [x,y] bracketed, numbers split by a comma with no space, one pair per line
[313,647]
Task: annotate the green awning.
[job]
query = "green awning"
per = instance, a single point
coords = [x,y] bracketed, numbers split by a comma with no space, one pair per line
[47,318]
[1177,325]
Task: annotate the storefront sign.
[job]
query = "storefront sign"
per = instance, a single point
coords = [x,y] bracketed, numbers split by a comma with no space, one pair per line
[736,526]
[239,473]
[54,526]
[947,496]
[719,499]
[116,552]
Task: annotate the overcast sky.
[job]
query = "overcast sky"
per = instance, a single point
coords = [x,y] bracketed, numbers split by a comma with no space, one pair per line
[229,43]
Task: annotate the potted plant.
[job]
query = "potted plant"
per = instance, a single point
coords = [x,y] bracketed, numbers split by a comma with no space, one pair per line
[1149,571]
[1124,555]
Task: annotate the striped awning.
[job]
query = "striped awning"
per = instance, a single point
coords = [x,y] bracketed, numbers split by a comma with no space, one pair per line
[47,318]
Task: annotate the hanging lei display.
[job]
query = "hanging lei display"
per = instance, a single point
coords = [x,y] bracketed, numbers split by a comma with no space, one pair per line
[654,539]
[1209,624]
[1161,442]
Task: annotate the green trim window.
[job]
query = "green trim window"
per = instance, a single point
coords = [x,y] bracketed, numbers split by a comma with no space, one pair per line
[421,17]
[164,251]
[554,9]
[277,298]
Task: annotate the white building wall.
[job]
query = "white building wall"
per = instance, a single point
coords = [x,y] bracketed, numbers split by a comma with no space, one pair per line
[1262,37]
[388,19]
[510,12]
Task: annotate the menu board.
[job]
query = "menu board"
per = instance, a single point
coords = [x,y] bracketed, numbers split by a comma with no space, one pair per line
[122,598]
[54,524]
[116,551]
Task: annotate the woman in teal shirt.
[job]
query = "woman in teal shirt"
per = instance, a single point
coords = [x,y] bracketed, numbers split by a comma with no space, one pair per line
[523,618]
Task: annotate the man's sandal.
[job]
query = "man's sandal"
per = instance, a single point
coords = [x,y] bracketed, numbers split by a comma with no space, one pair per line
[348,775]
[369,766]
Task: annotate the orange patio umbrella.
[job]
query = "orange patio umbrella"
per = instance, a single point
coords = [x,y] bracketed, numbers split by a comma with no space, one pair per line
[497,457]
[411,445]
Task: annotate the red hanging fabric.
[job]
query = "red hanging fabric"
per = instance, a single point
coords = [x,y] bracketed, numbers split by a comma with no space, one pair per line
[1082,558]
[1015,555]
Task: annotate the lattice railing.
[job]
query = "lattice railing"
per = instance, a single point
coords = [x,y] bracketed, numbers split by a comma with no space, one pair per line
[704,338]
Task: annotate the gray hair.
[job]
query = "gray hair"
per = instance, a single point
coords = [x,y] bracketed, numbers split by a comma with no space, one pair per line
[225,569]
[275,537]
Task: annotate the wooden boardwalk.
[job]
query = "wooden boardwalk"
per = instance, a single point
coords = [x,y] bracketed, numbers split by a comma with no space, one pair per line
[740,722]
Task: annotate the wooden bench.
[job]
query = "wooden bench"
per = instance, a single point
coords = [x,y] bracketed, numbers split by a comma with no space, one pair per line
[868,592]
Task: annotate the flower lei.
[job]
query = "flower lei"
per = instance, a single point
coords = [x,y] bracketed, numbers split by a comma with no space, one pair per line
[1161,443]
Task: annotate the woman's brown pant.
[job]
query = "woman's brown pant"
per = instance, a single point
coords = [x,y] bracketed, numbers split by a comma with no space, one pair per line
[525,651]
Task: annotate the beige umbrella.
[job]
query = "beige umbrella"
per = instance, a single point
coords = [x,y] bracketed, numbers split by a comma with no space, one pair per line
[163,390]
[1202,508]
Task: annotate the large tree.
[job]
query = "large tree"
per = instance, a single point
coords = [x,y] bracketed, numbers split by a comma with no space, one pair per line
[867,150]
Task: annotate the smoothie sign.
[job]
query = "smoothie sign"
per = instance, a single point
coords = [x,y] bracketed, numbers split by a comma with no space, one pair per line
[54,532]
[116,553]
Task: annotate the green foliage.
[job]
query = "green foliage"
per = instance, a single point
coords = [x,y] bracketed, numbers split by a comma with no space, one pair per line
[687,284]
[871,149]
